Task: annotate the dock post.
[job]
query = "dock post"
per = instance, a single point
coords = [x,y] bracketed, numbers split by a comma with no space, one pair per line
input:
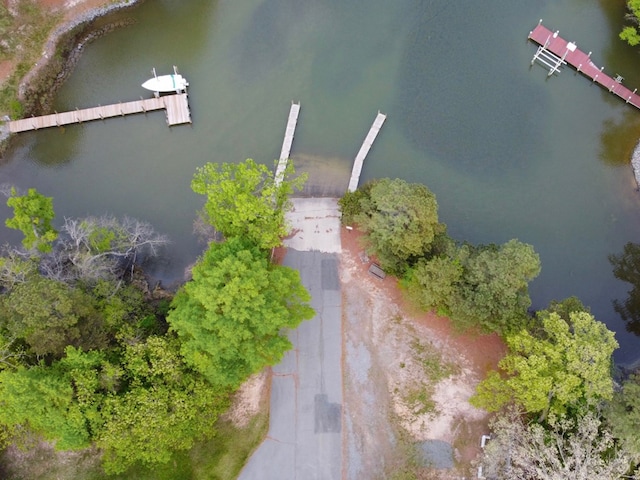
[120,105]
[579,67]
[77,115]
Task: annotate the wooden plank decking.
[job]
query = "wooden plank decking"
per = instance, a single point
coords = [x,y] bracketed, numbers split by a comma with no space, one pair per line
[564,52]
[364,149]
[285,152]
[176,106]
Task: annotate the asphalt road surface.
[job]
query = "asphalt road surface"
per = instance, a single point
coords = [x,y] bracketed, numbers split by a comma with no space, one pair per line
[305,429]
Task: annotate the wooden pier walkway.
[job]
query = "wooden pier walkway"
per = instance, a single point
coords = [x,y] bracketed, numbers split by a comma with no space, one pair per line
[287,142]
[364,149]
[176,106]
[554,52]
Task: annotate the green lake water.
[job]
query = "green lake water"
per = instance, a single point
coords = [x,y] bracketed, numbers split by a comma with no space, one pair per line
[509,152]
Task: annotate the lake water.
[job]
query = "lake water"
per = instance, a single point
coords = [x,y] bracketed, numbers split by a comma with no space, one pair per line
[509,152]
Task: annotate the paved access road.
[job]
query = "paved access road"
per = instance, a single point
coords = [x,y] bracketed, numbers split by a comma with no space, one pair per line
[305,431]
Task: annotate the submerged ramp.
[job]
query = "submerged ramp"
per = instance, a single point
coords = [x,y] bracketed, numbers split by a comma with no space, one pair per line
[287,142]
[364,150]
[176,106]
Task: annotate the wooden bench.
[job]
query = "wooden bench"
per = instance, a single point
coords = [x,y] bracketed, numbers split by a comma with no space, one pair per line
[376,271]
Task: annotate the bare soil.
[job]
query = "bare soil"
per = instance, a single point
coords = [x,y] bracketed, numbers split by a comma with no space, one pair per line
[408,376]
[249,399]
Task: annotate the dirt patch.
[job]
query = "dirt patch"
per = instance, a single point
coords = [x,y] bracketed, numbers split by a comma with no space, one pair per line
[247,400]
[408,375]
[72,8]
[6,68]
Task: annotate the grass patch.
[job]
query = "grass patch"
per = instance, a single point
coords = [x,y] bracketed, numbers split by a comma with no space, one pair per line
[420,401]
[432,362]
[226,454]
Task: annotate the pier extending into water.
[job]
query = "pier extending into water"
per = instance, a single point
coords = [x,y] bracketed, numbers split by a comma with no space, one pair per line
[554,52]
[364,150]
[285,152]
[176,106]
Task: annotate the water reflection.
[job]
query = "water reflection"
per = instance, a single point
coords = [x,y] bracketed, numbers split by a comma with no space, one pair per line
[618,138]
[65,151]
[626,267]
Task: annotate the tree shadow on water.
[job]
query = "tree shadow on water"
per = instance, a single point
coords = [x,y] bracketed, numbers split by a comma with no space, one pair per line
[626,267]
[618,139]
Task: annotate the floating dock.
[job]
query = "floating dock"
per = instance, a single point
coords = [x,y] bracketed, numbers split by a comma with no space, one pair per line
[364,150]
[176,106]
[554,52]
[285,152]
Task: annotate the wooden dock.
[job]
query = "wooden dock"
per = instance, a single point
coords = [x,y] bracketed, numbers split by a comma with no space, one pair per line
[176,106]
[364,150]
[554,52]
[285,152]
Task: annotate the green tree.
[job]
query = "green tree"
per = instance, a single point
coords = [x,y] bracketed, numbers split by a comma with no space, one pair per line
[351,203]
[623,415]
[138,405]
[567,367]
[243,200]
[630,33]
[401,222]
[493,292]
[49,315]
[230,317]
[431,284]
[43,400]
[165,407]
[32,215]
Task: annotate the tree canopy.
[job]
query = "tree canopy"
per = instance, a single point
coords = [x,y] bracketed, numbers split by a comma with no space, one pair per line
[630,33]
[493,290]
[566,367]
[49,315]
[623,415]
[243,200]
[138,404]
[401,222]
[32,215]
[230,316]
